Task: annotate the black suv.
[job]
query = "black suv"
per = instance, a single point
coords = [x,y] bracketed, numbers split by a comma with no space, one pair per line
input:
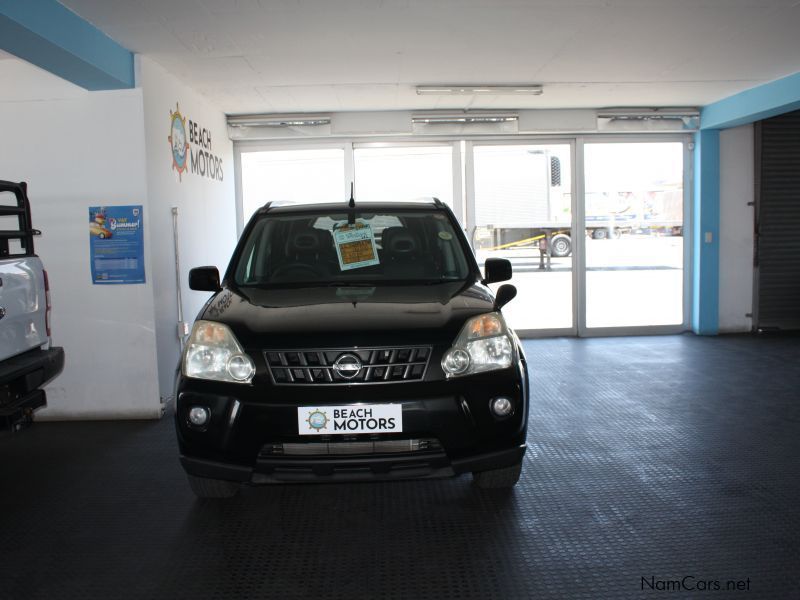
[349,343]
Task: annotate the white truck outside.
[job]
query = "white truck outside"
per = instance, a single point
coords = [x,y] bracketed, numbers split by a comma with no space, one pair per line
[27,359]
[530,205]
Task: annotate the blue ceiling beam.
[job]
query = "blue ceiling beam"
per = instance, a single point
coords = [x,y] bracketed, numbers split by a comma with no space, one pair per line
[50,36]
[761,102]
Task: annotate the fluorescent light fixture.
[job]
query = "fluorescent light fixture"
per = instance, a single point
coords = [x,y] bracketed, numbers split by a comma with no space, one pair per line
[481,90]
[680,119]
[645,114]
[464,118]
[297,120]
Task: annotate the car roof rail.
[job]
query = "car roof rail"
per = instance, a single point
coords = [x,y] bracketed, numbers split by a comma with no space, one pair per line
[438,203]
[265,208]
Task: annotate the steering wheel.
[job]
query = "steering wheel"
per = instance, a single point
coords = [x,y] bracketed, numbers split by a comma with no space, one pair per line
[296,267]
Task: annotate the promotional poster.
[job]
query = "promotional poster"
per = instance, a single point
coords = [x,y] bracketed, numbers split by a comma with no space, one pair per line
[116,244]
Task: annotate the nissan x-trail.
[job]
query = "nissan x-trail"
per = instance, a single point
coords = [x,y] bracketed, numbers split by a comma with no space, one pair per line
[351,342]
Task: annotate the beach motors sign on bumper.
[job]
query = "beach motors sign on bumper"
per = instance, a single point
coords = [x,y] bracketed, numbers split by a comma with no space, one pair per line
[338,420]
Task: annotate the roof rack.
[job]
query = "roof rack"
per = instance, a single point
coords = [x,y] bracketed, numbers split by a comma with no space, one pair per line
[22,210]
[265,208]
[438,203]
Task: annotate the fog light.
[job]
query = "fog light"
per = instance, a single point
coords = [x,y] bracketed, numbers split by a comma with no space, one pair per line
[198,416]
[502,407]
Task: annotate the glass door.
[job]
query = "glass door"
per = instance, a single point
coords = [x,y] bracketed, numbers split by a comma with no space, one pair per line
[634,220]
[593,226]
[301,176]
[521,210]
[389,172]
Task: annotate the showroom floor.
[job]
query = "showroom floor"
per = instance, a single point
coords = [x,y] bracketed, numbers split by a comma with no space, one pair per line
[651,461]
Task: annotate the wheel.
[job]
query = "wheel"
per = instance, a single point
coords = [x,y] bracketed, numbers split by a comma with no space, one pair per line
[599,234]
[560,246]
[505,477]
[212,488]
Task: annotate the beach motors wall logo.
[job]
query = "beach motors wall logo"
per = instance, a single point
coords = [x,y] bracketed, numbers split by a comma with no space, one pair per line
[177,141]
[190,145]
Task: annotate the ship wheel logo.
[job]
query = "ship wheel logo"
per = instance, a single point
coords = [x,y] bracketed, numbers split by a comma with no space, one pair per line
[177,141]
[317,420]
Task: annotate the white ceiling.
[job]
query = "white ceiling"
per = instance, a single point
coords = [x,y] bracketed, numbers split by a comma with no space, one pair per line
[326,55]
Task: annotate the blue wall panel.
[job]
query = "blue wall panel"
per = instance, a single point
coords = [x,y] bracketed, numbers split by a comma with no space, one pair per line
[48,35]
[705,289]
[758,103]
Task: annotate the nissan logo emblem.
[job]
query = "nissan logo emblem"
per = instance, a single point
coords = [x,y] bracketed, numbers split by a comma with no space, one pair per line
[347,366]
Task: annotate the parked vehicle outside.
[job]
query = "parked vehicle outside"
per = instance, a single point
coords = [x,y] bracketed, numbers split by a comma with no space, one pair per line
[27,359]
[349,343]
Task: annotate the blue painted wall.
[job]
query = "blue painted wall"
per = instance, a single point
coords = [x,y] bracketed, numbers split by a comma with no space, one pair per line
[756,104]
[705,289]
[50,36]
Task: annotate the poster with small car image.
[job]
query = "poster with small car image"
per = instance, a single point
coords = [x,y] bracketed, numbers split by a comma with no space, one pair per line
[116,244]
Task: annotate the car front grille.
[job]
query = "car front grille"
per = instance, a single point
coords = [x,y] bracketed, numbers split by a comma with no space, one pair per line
[345,366]
[356,447]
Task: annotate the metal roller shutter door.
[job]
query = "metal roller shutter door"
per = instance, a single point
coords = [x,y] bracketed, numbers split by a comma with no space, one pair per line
[778,222]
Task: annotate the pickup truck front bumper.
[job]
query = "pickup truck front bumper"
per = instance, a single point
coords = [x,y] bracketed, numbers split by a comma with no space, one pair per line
[21,379]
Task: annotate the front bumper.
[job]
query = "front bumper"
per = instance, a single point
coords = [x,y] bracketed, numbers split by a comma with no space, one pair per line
[246,421]
[380,468]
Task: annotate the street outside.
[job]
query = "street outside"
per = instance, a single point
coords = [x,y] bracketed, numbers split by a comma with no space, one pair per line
[635,280]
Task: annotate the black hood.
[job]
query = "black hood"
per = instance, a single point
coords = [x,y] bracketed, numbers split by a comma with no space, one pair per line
[315,317]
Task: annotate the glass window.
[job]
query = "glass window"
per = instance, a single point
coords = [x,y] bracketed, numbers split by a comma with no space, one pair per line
[634,229]
[296,176]
[404,173]
[523,213]
[313,247]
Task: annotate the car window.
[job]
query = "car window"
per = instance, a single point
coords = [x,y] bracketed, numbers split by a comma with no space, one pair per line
[348,247]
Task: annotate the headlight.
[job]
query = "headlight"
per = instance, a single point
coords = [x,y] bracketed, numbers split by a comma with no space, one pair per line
[484,344]
[212,352]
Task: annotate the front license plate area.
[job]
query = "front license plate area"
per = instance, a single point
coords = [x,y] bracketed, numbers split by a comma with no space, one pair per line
[350,419]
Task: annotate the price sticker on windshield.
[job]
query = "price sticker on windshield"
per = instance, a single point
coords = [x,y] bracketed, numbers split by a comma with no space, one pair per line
[355,246]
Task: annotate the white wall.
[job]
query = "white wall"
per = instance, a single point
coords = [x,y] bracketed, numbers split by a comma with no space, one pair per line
[207,214]
[736,229]
[76,153]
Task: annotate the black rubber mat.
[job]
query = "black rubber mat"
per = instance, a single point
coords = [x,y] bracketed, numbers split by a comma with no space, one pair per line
[652,462]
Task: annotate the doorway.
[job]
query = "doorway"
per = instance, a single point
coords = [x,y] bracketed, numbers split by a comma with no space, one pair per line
[593,226]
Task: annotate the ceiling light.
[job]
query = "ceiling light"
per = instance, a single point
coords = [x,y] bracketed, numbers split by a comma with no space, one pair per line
[663,118]
[300,120]
[483,90]
[464,118]
[647,113]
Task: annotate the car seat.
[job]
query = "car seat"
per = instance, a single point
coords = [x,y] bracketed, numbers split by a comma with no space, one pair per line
[403,254]
[304,255]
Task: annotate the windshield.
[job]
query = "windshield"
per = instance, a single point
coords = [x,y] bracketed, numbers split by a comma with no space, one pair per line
[350,248]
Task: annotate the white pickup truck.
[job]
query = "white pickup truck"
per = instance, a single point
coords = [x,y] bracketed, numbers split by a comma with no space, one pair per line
[27,359]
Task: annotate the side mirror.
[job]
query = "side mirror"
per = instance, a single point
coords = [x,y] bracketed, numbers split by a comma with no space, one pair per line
[496,269]
[204,279]
[505,294]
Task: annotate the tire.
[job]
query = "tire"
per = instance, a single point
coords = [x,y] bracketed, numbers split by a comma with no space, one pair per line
[599,234]
[212,488]
[505,477]
[560,246]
